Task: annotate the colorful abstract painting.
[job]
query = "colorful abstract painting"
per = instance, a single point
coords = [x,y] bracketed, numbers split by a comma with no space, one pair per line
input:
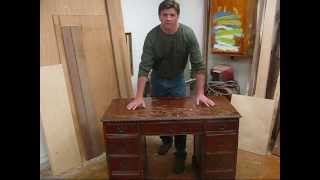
[231,26]
[227,30]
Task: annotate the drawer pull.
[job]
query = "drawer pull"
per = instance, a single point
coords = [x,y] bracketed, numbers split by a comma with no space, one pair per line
[120,130]
[122,165]
[122,150]
[222,128]
[220,142]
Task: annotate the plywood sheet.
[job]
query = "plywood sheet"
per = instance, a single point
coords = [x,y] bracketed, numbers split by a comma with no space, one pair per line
[48,8]
[255,124]
[56,117]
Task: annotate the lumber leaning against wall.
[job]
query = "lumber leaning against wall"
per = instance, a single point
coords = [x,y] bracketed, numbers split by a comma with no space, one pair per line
[268,31]
[121,56]
[48,47]
[57,121]
[52,54]
[255,125]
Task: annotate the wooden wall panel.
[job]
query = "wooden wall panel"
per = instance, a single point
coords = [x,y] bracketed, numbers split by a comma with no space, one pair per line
[57,121]
[48,8]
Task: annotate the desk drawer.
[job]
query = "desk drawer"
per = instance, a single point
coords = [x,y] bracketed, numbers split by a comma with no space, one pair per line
[170,127]
[220,162]
[124,163]
[222,125]
[122,145]
[119,128]
[221,142]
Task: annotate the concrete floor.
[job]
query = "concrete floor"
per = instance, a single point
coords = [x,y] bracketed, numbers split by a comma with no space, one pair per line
[249,165]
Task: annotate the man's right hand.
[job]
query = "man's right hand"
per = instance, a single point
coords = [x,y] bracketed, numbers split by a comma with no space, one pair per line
[136,103]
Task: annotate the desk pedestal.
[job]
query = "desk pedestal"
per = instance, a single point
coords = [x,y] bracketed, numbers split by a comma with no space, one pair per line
[215,146]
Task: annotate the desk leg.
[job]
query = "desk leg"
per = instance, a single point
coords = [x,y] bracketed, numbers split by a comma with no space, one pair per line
[197,154]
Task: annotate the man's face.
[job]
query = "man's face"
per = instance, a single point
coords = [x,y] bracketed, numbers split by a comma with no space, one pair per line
[169,18]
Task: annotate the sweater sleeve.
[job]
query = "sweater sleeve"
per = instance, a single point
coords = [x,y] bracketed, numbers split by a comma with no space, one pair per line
[197,65]
[147,57]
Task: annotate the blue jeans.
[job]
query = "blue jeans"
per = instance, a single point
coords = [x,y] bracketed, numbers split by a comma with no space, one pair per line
[170,87]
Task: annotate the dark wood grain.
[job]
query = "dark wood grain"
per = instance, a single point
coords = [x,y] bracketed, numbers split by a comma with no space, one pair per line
[170,108]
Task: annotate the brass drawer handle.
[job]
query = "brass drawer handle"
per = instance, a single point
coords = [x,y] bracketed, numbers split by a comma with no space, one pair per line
[222,128]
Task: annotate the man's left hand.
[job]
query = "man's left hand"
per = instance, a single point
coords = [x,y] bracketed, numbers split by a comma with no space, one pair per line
[202,98]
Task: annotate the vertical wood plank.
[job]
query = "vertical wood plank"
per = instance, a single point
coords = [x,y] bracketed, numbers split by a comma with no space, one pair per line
[84,108]
[276,111]
[121,56]
[256,49]
[70,88]
[276,148]
[92,117]
[56,117]
[206,27]
[266,47]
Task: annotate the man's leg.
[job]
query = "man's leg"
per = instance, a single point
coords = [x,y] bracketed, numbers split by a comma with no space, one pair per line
[179,140]
[159,89]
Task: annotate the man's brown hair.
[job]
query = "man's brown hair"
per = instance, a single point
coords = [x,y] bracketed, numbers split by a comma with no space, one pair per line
[167,4]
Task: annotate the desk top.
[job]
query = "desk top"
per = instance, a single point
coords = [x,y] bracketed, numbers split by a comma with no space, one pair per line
[170,108]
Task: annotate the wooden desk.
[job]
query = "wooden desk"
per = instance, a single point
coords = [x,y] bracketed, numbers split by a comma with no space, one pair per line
[215,131]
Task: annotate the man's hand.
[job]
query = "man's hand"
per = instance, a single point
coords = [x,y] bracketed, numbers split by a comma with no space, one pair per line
[136,103]
[202,98]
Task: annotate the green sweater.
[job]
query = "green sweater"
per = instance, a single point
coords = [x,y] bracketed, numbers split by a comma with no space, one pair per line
[168,53]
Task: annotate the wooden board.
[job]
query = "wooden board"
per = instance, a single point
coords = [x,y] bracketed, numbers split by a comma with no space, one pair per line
[57,120]
[266,47]
[256,48]
[79,79]
[255,124]
[121,56]
[276,148]
[48,49]
[93,54]
[70,88]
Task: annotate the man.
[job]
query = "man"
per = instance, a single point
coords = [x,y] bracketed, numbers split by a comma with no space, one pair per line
[166,50]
